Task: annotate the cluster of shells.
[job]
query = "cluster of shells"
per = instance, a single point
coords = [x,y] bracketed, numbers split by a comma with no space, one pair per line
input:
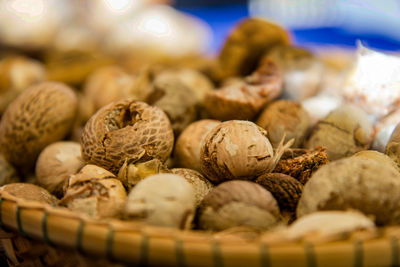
[256,138]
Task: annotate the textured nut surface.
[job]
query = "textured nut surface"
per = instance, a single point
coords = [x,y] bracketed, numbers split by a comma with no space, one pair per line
[201,185]
[95,192]
[189,143]
[126,130]
[56,163]
[354,183]
[41,115]
[378,157]
[162,199]
[8,174]
[345,131]
[285,189]
[285,118]
[238,203]
[242,100]
[301,163]
[236,150]
[30,192]
[393,146]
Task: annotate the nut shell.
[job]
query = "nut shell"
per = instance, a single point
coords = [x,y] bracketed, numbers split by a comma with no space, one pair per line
[30,192]
[126,130]
[393,146]
[41,115]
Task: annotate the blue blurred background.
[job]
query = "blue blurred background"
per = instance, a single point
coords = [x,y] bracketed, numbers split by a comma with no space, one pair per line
[313,23]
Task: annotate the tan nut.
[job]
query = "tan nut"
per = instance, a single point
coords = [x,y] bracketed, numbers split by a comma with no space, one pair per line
[393,146]
[30,192]
[126,130]
[8,174]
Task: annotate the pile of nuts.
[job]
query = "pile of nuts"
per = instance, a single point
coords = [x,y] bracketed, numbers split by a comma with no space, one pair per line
[231,144]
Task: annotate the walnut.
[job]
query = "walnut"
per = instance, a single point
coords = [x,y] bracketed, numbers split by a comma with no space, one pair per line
[238,203]
[126,130]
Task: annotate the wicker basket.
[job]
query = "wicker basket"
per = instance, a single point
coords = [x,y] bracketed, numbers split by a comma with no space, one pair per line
[59,232]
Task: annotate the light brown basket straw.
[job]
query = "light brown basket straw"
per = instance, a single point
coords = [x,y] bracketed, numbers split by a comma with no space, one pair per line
[140,245]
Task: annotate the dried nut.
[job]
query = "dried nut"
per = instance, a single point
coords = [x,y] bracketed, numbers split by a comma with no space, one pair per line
[176,100]
[238,150]
[95,192]
[56,163]
[285,189]
[30,192]
[238,203]
[8,174]
[190,141]
[108,84]
[243,100]
[301,163]
[285,118]
[162,199]
[328,225]
[378,157]
[126,130]
[354,183]
[16,74]
[302,71]
[246,45]
[393,146]
[201,185]
[132,173]
[41,115]
[345,131]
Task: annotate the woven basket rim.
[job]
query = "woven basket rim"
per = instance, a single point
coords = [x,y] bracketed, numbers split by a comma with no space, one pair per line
[137,243]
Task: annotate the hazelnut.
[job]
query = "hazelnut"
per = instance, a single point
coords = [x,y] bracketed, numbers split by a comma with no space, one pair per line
[41,115]
[16,74]
[301,70]
[393,146]
[285,189]
[201,185]
[238,150]
[190,141]
[176,100]
[56,163]
[244,47]
[8,174]
[285,118]
[30,192]
[132,173]
[95,192]
[238,203]
[301,163]
[163,200]
[345,131]
[354,183]
[243,100]
[126,130]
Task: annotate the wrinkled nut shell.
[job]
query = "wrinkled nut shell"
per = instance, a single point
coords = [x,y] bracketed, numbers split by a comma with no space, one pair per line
[126,130]
[41,115]
[286,190]
[238,203]
[30,192]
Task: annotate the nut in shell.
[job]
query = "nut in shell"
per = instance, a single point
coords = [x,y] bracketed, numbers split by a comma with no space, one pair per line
[378,157]
[163,200]
[95,192]
[238,150]
[30,192]
[238,203]
[8,174]
[393,146]
[126,131]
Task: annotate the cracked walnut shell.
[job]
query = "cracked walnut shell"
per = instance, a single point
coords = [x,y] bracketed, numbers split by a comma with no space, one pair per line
[126,130]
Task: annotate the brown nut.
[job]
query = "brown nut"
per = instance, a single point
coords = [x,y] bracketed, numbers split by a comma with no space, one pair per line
[8,174]
[189,143]
[126,130]
[285,118]
[285,189]
[201,185]
[30,192]
[238,150]
[56,163]
[238,203]
[354,183]
[243,100]
[41,115]
[301,163]
[345,131]
[393,146]
[378,157]
[245,46]
[95,192]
